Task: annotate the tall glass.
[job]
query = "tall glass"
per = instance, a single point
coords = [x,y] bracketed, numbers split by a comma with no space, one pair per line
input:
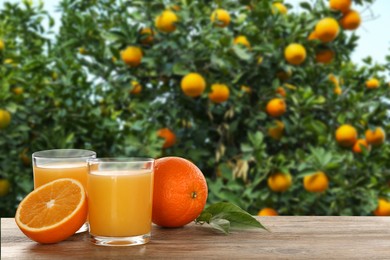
[50,165]
[120,196]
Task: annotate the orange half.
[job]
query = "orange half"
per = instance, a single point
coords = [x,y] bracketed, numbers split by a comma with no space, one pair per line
[53,212]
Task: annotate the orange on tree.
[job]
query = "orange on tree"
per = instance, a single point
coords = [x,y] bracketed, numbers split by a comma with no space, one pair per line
[179,193]
[136,88]
[132,56]
[168,135]
[325,56]
[295,53]
[340,5]
[242,40]
[281,91]
[267,212]
[376,136]
[246,89]
[279,7]
[219,93]
[357,147]
[5,118]
[383,208]
[276,132]
[193,84]
[346,135]
[327,29]
[2,45]
[147,35]
[276,107]
[316,182]
[82,51]
[53,212]
[166,21]
[338,91]
[220,17]
[4,187]
[372,83]
[351,20]
[18,91]
[279,182]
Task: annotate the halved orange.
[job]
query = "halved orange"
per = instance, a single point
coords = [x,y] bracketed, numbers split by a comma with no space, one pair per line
[53,212]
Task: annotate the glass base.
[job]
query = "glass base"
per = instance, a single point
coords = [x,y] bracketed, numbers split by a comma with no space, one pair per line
[83,228]
[120,241]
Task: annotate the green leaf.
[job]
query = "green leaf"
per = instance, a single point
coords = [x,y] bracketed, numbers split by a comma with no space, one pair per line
[217,214]
[241,53]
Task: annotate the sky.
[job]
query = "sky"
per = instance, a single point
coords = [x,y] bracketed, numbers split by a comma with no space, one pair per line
[374,34]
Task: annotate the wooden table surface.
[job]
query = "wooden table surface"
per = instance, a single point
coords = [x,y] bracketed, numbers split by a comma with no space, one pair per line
[290,237]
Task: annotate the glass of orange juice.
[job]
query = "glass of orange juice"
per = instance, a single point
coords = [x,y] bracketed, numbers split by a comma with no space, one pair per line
[120,196]
[50,165]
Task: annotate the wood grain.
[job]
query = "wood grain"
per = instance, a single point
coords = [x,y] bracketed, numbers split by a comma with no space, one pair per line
[290,237]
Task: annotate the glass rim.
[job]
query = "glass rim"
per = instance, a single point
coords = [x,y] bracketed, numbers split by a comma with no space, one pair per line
[51,154]
[113,160]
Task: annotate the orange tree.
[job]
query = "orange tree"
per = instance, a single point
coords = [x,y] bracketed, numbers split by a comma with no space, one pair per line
[252,92]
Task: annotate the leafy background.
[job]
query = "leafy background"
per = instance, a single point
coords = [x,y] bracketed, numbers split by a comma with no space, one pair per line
[76,95]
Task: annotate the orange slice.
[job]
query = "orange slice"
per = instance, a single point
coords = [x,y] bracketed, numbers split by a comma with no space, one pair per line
[53,212]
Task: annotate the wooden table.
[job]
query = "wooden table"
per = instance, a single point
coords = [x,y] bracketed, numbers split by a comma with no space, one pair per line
[289,238]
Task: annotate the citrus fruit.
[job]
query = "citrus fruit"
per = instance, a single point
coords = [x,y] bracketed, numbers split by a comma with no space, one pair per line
[279,8]
[220,18]
[193,84]
[295,53]
[136,88]
[267,212]
[281,91]
[242,40]
[327,29]
[351,20]
[132,56]
[246,89]
[166,21]
[180,192]
[312,36]
[357,147]
[219,93]
[383,208]
[276,107]
[18,91]
[147,35]
[279,182]
[4,187]
[53,212]
[317,182]
[276,132]
[2,45]
[168,135]
[376,136]
[372,83]
[337,91]
[82,51]
[340,5]
[325,56]
[346,135]
[5,118]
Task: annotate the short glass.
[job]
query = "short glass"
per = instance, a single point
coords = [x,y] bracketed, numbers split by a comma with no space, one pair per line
[50,165]
[120,196]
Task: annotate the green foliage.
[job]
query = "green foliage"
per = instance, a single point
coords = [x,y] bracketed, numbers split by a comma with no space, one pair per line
[76,94]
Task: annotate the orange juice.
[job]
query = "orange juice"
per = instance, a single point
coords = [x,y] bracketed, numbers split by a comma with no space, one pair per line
[51,172]
[120,202]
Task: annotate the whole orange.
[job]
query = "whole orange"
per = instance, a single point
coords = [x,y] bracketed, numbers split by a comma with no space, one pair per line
[279,182]
[180,192]
[383,208]
[357,147]
[220,18]
[372,83]
[168,135]
[267,212]
[327,29]
[325,56]
[351,20]
[295,53]
[132,56]
[376,136]
[316,182]
[346,135]
[276,107]
[219,93]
